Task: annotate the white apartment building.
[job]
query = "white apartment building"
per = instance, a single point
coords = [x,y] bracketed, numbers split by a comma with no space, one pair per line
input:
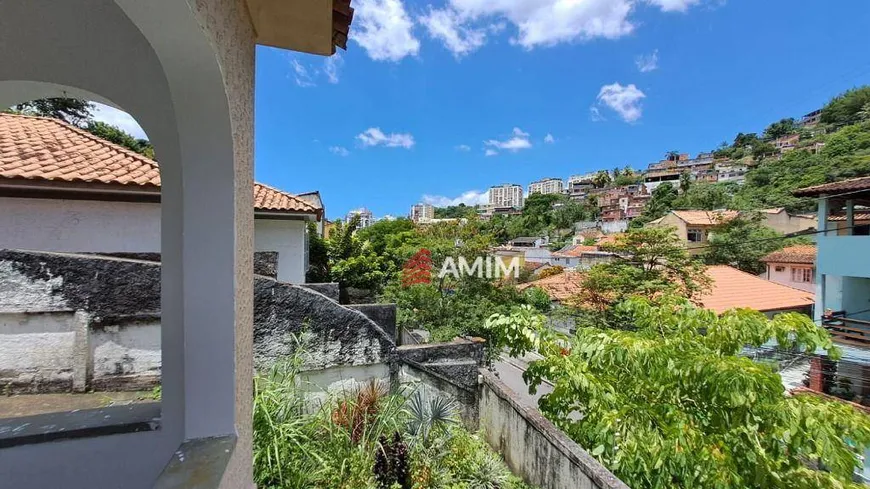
[547,186]
[422,212]
[507,195]
[366,218]
[586,177]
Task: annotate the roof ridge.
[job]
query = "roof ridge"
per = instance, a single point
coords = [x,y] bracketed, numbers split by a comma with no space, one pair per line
[287,194]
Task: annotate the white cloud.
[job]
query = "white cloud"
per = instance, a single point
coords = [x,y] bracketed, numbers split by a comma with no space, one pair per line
[624,100]
[549,139]
[373,136]
[674,5]
[383,29]
[119,119]
[331,67]
[463,147]
[519,140]
[647,62]
[595,114]
[446,25]
[490,152]
[462,25]
[549,22]
[301,74]
[339,150]
[471,197]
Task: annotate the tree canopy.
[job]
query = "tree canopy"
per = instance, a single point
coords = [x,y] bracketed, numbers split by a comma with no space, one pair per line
[847,108]
[671,403]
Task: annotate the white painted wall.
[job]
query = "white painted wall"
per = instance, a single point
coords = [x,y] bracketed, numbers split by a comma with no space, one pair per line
[288,239]
[125,350]
[36,348]
[79,225]
[783,277]
[98,226]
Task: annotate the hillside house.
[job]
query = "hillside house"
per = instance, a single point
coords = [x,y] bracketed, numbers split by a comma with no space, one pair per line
[64,189]
[694,227]
[794,266]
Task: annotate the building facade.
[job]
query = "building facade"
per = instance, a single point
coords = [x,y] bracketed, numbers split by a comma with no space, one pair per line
[547,186]
[366,218]
[794,266]
[507,195]
[422,212]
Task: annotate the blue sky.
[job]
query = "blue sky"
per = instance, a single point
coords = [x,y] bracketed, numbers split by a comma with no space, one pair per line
[426,90]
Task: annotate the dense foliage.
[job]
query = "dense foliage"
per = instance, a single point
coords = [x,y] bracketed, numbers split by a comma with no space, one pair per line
[670,403]
[365,439]
[743,241]
[651,262]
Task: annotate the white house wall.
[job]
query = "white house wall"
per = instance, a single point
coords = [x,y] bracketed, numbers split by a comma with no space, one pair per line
[287,237]
[107,227]
[79,225]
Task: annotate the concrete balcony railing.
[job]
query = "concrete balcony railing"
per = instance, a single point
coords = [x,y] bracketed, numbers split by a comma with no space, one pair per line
[847,256]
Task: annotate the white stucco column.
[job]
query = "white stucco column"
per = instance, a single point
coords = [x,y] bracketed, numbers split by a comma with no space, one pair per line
[822,225]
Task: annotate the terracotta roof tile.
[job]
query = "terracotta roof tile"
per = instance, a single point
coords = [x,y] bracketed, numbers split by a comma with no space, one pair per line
[38,148]
[850,185]
[574,251]
[733,288]
[793,254]
[559,287]
[705,218]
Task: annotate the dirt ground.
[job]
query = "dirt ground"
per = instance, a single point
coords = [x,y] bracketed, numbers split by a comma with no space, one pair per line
[30,404]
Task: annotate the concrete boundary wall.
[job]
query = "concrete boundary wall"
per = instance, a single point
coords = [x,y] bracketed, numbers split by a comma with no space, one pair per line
[533,447]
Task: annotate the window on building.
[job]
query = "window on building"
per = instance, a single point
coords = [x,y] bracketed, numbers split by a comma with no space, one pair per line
[695,235]
[802,275]
[779,268]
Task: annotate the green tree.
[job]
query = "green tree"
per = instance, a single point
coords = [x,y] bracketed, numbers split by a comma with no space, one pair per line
[601,179]
[74,111]
[671,403]
[742,242]
[318,257]
[455,212]
[661,202]
[650,262]
[685,182]
[672,155]
[846,108]
[705,196]
[781,128]
[616,173]
[113,134]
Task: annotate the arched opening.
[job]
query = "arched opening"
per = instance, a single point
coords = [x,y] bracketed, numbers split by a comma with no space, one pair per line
[80,322]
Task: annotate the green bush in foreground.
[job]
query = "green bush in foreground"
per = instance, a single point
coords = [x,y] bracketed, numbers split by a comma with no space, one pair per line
[366,439]
[667,401]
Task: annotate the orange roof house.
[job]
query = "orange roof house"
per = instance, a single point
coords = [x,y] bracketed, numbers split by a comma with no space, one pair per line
[41,155]
[65,189]
[804,254]
[733,288]
[559,287]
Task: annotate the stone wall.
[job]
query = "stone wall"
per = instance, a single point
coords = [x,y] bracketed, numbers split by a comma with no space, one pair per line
[533,448]
[329,289]
[77,321]
[384,315]
[446,369]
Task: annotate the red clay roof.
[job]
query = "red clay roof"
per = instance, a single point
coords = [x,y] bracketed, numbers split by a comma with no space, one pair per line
[805,254]
[705,218]
[38,148]
[574,251]
[733,288]
[559,287]
[850,185]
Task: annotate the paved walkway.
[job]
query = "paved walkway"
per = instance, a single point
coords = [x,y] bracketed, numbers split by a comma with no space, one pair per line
[510,371]
[29,404]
